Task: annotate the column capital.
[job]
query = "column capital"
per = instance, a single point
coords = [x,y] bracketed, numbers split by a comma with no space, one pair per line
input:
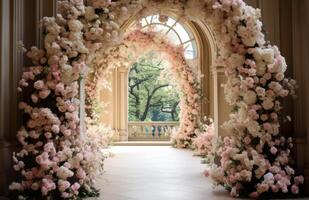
[218,70]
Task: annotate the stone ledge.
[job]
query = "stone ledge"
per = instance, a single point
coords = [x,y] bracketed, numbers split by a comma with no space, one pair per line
[143,143]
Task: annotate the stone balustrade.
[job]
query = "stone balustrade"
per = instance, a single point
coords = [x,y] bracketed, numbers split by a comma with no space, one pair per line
[151,131]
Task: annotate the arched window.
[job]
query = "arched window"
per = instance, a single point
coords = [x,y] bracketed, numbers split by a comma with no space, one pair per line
[176,32]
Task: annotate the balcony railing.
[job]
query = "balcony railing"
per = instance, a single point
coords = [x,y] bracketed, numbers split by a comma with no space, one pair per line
[151,131]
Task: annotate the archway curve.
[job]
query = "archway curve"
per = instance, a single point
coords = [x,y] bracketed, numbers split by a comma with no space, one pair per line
[185,78]
[207,53]
[203,64]
[255,88]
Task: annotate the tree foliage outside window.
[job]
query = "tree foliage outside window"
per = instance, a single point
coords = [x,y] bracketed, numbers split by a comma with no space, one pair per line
[151,97]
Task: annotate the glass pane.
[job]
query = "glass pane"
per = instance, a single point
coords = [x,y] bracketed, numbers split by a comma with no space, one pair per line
[190,50]
[143,22]
[184,36]
[160,28]
[149,19]
[155,19]
[170,22]
[172,37]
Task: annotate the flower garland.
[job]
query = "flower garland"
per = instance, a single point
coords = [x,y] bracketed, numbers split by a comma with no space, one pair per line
[55,163]
[179,73]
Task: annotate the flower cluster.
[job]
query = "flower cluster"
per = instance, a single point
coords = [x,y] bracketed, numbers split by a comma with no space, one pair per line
[255,160]
[203,143]
[240,167]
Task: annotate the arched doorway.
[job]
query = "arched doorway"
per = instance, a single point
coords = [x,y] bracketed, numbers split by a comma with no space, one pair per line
[200,52]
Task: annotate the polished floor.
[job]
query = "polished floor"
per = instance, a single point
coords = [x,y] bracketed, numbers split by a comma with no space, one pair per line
[155,173]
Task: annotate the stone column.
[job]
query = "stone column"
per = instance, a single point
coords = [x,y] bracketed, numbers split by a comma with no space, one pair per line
[82,110]
[300,16]
[18,23]
[9,69]
[221,107]
[123,104]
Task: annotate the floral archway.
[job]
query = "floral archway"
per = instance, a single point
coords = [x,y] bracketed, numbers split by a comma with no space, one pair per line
[184,77]
[254,161]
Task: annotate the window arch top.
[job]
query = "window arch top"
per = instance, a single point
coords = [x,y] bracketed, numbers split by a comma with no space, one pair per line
[176,32]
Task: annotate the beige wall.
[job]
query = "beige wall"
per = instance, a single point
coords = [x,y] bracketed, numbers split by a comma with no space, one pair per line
[300,46]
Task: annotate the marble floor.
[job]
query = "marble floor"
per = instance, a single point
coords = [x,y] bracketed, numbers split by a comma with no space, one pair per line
[155,173]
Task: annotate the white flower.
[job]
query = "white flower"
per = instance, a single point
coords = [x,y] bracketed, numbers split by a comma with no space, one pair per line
[16,186]
[268,104]
[38,84]
[64,173]
[275,86]
[268,55]
[254,128]
[250,97]
[75,25]
[260,68]
[236,60]
[260,91]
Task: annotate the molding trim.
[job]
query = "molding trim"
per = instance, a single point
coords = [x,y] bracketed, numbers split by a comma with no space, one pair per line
[18,30]
[6,62]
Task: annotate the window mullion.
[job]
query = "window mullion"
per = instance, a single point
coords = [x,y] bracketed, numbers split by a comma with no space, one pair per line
[192,39]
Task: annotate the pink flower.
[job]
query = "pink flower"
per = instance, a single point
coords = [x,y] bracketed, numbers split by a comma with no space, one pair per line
[206,173]
[55,128]
[22,105]
[299,180]
[59,88]
[67,132]
[44,94]
[247,140]
[47,186]
[295,189]
[75,187]
[274,188]
[273,150]
[34,98]
[38,85]
[48,135]
[254,195]
[261,188]
[63,185]
[81,174]
[274,116]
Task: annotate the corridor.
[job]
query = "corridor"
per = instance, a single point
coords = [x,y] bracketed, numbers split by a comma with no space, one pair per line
[155,173]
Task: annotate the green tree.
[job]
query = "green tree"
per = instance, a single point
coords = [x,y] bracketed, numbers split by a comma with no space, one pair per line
[151,98]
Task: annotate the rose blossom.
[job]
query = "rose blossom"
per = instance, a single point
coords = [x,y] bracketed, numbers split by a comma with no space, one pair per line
[273,150]
[250,97]
[55,128]
[75,187]
[247,140]
[299,180]
[38,85]
[254,195]
[295,189]
[63,185]
[44,94]
[81,174]
[34,98]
